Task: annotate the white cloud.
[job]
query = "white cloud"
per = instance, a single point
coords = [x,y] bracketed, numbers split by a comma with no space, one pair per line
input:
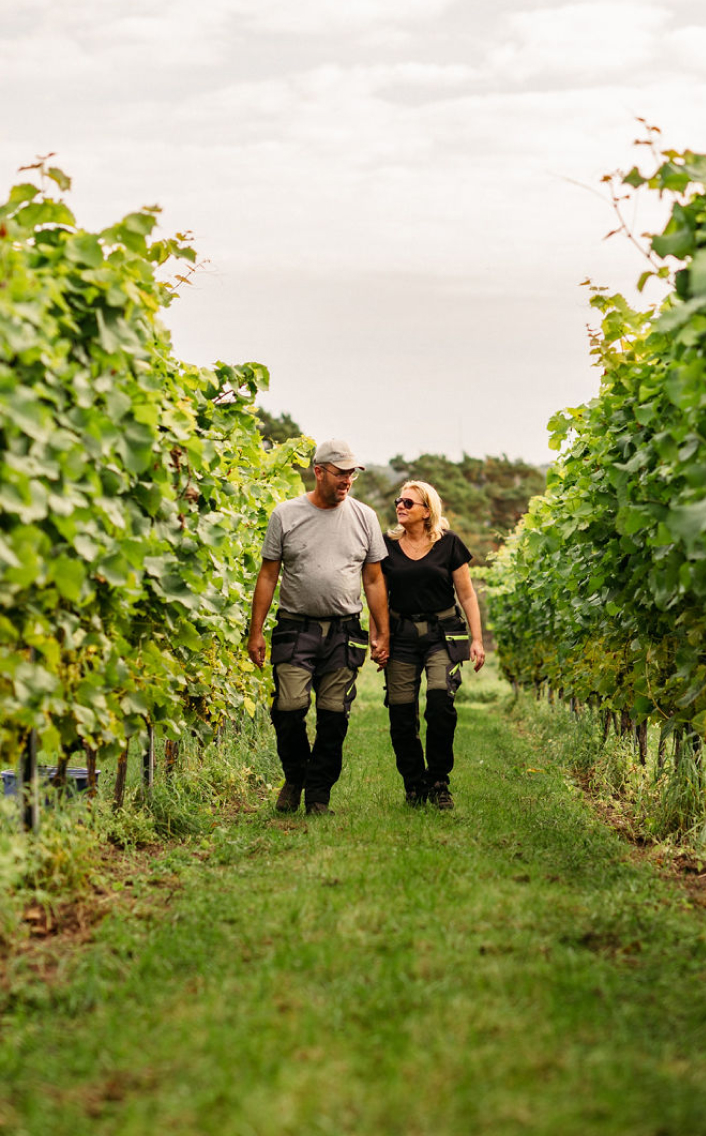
[596,39]
[689,47]
[107,40]
[323,17]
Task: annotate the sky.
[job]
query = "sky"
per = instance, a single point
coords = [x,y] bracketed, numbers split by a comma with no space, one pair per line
[394,202]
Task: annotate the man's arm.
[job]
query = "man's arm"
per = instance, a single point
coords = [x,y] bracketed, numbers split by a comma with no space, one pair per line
[261,603]
[469,602]
[376,594]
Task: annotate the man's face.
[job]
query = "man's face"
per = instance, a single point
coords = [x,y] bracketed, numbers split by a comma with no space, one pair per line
[334,483]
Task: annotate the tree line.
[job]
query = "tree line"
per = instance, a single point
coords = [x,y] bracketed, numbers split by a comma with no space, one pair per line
[484,498]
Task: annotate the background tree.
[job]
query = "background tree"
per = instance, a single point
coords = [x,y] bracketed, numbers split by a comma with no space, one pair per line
[483,498]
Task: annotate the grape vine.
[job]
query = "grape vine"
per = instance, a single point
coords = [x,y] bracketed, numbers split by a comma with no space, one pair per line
[601,591]
[133,494]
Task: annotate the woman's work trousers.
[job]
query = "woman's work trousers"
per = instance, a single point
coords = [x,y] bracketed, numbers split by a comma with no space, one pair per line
[419,646]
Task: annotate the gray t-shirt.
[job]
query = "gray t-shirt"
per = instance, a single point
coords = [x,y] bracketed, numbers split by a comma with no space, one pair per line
[322,553]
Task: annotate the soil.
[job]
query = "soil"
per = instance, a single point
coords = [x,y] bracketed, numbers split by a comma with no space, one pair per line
[53,930]
[679,865]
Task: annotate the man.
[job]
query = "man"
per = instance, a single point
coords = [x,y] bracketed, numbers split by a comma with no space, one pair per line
[325,542]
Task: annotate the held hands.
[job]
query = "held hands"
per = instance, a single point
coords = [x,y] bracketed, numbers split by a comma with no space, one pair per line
[380,650]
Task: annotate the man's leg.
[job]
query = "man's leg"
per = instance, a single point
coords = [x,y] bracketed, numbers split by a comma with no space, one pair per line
[295,644]
[335,691]
[288,714]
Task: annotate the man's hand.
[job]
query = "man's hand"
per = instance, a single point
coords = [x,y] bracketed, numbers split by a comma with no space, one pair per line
[376,595]
[264,591]
[477,654]
[257,649]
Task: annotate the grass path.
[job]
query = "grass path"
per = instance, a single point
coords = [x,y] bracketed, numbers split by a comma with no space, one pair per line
[502,969]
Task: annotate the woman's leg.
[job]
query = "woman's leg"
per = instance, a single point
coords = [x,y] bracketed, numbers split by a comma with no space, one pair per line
[443,680]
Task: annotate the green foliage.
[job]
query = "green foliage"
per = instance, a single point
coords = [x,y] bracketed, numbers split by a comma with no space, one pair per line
[278,429]
[134,489]
[601,591]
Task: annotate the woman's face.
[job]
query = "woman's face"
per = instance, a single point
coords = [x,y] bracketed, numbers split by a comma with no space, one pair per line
[410,507]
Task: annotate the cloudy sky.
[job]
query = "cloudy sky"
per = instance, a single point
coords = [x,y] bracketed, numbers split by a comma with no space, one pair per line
[397,200]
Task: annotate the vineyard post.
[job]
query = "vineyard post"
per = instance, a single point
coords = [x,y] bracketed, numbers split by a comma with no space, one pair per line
[30,787]
[91,768]
[29,777]
[171,754]
[641,740]
[120,779]
[662,751]
[59,778]
[148,761]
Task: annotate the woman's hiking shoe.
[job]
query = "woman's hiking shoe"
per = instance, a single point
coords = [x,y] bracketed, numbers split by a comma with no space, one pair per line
[440,796]
[289,798]
[318,808]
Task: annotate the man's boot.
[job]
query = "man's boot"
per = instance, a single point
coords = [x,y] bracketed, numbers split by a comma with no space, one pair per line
[289,798]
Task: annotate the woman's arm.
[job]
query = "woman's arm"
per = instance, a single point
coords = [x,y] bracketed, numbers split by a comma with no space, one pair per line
[469,602]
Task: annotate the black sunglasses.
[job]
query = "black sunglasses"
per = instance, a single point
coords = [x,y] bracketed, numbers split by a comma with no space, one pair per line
[407,502]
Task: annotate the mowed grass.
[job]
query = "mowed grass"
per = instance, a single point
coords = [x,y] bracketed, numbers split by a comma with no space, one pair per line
[505,968]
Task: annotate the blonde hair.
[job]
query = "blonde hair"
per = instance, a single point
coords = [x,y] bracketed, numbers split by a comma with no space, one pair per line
[435,524]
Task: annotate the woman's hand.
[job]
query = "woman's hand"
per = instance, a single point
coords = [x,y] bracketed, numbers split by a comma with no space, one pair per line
[380,650]
[477,653]
[469,602]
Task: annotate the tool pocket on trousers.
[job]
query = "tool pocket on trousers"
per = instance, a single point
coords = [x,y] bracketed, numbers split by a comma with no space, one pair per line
[284,642]
[356,646]
[456,638]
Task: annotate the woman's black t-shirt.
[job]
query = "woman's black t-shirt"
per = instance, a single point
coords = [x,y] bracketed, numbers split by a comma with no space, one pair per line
[425,585]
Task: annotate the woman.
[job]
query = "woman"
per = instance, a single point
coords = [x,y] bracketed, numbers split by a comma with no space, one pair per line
[426,572]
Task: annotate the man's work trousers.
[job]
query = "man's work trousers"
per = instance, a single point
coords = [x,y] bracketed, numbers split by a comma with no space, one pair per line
[420,646]
[323,654]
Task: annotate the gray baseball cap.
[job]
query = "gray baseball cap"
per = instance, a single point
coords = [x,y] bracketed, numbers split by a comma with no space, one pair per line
[338,453]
